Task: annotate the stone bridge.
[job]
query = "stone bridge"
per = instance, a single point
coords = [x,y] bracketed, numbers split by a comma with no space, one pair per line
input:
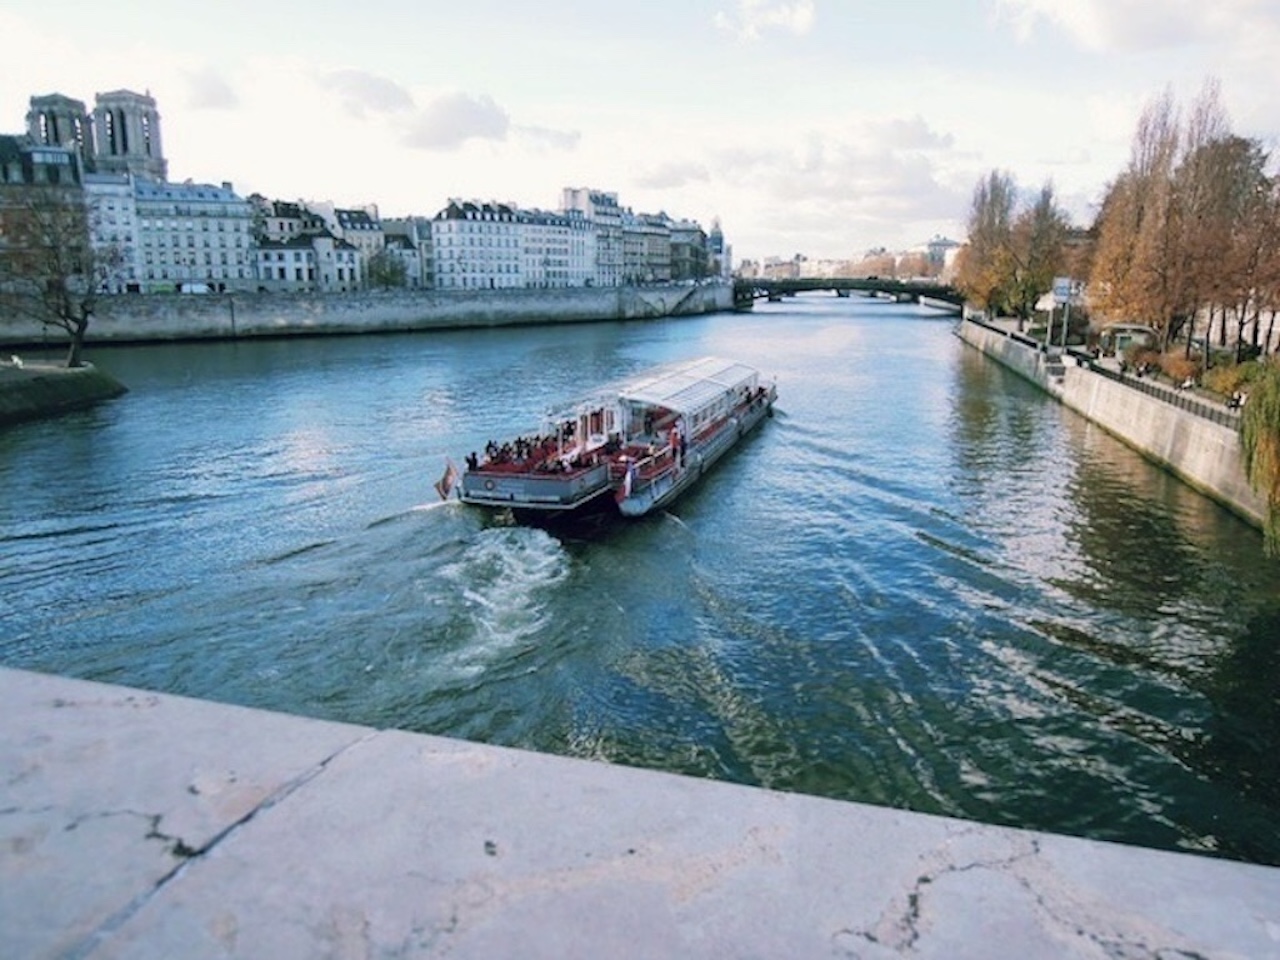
[746,292]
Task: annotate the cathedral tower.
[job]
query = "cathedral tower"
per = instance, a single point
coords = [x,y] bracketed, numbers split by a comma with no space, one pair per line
[126,128]
[58,121]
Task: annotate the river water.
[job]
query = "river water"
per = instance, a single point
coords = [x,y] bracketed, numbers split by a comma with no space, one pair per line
[922,584]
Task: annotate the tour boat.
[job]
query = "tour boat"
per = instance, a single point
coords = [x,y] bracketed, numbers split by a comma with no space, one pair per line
[634,445]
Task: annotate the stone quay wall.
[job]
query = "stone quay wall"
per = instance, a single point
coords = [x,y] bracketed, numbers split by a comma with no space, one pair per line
[1205,454]
[168,317]
[29,391]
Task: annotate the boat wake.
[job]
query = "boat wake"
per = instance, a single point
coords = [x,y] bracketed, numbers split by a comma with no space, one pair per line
[503,586]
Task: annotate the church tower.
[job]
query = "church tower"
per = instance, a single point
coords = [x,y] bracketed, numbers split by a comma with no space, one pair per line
[55,120]
[126,128]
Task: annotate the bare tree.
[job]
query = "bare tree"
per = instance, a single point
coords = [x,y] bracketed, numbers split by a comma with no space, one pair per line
[49,269]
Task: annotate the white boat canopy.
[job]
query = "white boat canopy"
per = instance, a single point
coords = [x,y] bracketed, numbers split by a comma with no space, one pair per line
[690,385]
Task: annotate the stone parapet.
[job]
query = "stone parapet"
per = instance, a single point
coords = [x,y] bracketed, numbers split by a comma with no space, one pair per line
[168,317]
[139,825]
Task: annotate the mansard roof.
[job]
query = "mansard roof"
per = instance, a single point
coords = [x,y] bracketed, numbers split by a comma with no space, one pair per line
[302,242]
[305,241]
[158,190]
[287,209]
[356,220]
[477,210]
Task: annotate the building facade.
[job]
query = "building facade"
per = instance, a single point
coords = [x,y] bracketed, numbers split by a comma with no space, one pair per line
[476,246]
[601,209]
[113,225]
[41,206]
[193,236]
[556,249]
[312,262]
[359,226]
[409,239]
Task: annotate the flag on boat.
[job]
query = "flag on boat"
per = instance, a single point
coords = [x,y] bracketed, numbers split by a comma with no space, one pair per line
[624,489]
[444,486]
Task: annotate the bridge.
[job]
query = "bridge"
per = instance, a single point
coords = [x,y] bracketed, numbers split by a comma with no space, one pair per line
[746,292]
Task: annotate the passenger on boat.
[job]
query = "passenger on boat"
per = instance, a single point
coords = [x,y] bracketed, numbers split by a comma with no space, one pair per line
[473,462]
[676,440]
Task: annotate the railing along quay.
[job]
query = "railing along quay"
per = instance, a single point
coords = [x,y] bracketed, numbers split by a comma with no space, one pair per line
[1180,399]
[1171,395]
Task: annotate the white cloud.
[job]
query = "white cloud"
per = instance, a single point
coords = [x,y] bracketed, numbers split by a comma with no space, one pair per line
[673,175]
[545,138]
[208,90]
[363,92]
[753,17]
[451,120]
[1129,25]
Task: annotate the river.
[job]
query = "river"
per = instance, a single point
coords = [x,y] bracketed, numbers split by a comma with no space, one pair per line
[922,584]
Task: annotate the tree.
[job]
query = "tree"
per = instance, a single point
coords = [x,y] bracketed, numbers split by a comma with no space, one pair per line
[1186,228]
[1011,257]
[49,269]
[983,265]
[1134,274]
[1036,255]
[386,270]
[1260,442]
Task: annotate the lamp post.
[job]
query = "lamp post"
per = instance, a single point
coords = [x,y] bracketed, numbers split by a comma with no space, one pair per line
[1063,289]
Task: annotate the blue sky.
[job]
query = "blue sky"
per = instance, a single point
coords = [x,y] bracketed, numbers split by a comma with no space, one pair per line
[822,127]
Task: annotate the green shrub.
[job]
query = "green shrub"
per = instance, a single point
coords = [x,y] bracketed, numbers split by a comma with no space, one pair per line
[1227,378]
[1224,380]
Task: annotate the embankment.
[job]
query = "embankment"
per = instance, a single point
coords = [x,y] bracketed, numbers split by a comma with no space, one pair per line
[41,390]
[1204,453]
[169,317]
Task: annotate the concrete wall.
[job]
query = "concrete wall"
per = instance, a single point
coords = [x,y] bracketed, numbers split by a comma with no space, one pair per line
[196,316]
[1206,455]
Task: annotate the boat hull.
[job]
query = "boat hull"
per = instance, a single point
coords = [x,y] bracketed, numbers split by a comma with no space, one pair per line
[535,491]
[699,459]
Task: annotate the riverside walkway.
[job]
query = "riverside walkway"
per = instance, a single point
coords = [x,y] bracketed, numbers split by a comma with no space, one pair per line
[140,825]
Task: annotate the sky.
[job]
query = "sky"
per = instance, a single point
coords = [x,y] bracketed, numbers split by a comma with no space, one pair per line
[819,127]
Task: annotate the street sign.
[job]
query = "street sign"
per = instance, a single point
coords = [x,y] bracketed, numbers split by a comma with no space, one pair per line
[1064,289]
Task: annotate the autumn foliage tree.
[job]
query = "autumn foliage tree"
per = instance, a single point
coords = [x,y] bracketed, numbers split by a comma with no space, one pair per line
[1012,254]
[1189,228]
[49,269]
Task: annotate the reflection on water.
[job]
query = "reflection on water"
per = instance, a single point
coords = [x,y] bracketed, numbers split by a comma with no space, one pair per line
[922,584]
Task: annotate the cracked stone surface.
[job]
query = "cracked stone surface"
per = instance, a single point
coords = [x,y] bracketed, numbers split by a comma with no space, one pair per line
[106,792]
[140,826]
